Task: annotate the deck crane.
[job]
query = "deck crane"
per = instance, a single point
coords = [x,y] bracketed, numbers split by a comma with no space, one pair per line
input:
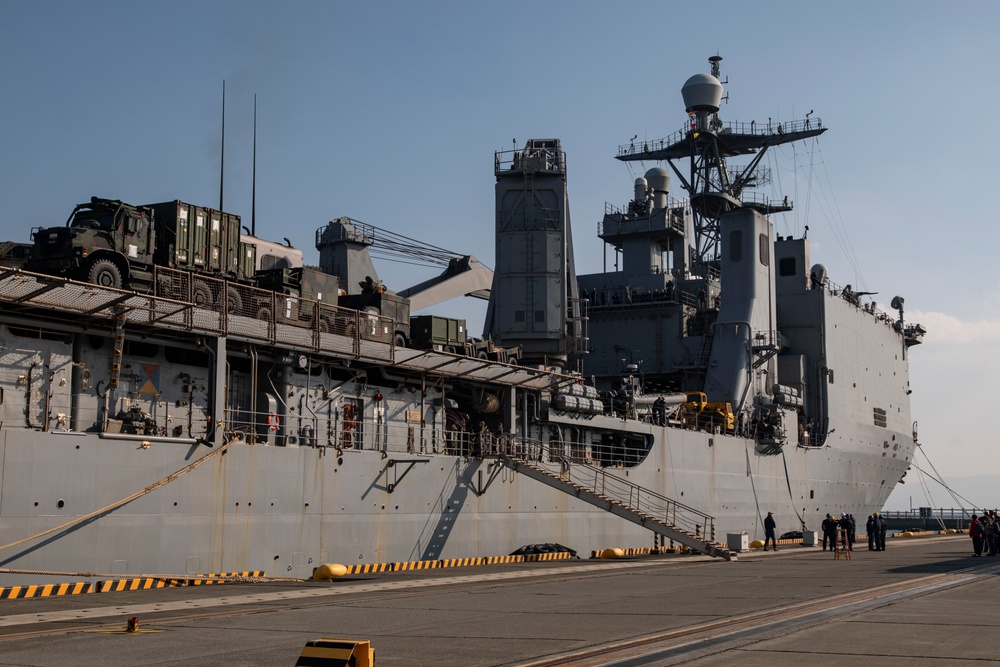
[346,248]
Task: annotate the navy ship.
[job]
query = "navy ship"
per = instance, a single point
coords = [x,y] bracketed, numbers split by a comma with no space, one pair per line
[179,398]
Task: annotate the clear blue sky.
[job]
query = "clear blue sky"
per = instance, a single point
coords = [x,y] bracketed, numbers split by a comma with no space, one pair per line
[390,112]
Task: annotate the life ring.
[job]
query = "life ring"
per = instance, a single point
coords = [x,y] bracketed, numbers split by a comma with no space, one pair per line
[273,421]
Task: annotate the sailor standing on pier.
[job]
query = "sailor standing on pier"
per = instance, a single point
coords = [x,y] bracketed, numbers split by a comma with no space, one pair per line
[769,527]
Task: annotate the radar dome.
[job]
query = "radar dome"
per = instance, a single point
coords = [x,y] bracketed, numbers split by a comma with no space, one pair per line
[702,92]
[658,179]
[819,275]
[659,183]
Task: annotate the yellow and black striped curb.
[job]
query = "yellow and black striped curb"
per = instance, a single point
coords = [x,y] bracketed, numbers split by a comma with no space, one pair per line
[116,585]
[375,568]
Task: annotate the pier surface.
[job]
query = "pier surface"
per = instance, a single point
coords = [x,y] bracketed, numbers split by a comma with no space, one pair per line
[922,601]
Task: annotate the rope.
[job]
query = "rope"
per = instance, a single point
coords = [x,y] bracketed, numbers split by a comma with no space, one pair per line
[753,487]
[124,501]
[788,481]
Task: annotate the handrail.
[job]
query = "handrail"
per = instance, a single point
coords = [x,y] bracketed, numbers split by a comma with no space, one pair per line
[730,127]
[638,498]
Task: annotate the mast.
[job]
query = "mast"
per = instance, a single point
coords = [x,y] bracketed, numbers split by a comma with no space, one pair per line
[222,168]
[707,143]
[253,188]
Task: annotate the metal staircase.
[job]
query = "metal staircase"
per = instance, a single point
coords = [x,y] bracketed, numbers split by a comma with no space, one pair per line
[629,501]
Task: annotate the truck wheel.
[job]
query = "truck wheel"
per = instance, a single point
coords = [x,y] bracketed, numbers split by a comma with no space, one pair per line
[234,303]
[399,340]
[202,295]
[105,273]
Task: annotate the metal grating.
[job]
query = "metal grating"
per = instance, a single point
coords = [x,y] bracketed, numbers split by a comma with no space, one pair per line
[257,316]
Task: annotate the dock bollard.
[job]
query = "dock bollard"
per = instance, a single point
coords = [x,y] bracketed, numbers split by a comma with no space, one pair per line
[330,652]
[132,624]
[329,571]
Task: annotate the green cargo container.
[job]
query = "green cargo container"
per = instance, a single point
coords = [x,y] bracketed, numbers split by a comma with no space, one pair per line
[202,239]
[431,332]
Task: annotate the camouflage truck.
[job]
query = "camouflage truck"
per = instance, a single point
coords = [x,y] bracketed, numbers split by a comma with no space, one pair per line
[113,244]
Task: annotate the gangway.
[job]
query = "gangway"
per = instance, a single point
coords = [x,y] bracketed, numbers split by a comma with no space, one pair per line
[628,501]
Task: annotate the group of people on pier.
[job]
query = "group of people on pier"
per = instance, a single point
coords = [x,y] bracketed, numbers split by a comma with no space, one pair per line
[985,533]
[877,528]
[839,533]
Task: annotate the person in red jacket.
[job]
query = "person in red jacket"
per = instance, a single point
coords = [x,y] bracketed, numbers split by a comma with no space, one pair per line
[976,533]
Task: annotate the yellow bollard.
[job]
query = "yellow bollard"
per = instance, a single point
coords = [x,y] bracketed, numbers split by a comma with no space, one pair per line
[328,571]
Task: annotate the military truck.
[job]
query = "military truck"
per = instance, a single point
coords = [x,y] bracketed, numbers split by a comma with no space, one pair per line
[300,294]
[385,305]
[113,244]
[14,255]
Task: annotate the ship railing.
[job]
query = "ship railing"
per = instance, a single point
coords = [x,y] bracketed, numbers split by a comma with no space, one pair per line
[578,467]
[753,128]
[544,159]
[228,307]
[676,218]
[626,295]
[362,232]
[944,514]
[349,423]
[851,295]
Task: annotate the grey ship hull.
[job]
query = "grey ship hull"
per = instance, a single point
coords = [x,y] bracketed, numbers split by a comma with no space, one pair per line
[285,509]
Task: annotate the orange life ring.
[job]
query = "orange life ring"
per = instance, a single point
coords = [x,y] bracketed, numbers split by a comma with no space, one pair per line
[273,421]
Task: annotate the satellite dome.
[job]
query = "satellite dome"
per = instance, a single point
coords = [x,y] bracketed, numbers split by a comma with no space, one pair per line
[819,274]
[658,179]
[702,92]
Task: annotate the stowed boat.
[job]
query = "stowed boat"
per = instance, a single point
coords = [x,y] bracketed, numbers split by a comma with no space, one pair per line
[219,423]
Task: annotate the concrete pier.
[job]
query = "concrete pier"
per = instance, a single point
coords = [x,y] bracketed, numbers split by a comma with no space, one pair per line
[922,601]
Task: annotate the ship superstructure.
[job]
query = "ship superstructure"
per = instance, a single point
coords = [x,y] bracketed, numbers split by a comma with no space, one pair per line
[714,375]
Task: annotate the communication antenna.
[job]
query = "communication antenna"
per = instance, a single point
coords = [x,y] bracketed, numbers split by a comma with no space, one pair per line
[222,168]
[253,188]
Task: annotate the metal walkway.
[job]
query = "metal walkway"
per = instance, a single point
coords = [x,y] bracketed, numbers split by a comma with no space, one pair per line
[629,501]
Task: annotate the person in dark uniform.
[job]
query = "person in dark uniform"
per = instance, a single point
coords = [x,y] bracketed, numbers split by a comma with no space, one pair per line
[883,528]
[872,527]
[829,527]
[769,527]
[845,525]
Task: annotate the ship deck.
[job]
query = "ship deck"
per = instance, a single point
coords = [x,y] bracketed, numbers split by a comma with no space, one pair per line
[924,600]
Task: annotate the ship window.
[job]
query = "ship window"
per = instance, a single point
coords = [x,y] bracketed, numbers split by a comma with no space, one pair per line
[786,266]
[736,245]
[765,256]
[139,349]
[187,357]
[539,315]
[518,315]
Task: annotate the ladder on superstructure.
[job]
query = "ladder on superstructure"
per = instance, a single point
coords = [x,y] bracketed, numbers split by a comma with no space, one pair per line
[628,501]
